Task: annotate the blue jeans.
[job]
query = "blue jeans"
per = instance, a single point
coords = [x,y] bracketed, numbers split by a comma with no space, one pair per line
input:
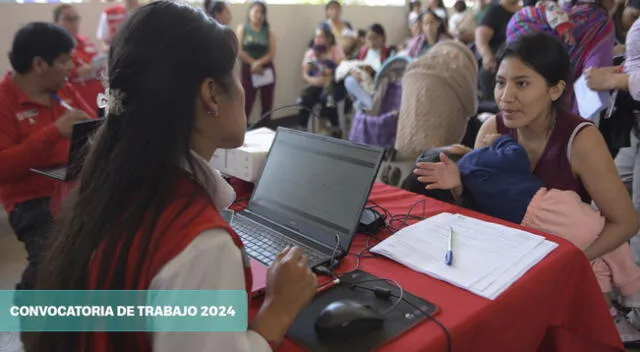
[361,99]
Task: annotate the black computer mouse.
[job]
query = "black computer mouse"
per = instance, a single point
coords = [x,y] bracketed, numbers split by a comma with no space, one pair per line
[346,318]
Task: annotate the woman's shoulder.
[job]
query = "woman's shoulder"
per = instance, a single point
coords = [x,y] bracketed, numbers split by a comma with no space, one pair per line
[570,120]
[568,130]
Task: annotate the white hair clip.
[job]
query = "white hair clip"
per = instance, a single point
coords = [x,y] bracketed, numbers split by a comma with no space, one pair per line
[112,101]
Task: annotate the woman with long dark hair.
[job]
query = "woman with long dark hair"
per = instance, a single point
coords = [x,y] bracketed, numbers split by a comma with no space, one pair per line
[565,151]
[145,213]
[360,82]
[257,50]
[437,6]
[318,72]
[433,29]
[341,29]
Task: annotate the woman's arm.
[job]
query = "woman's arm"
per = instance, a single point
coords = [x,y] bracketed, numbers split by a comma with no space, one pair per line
[610,78]
[445,174]
[592,163]
[467,35]
[272,50]
[305,73]
[241,53]
[483,35]
[213,262]
[314,81]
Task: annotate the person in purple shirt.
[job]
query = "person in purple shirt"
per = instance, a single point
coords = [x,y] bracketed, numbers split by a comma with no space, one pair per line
[626,77]
[592,31]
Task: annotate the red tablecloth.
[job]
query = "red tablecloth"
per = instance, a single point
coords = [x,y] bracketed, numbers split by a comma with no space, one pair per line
[556,306]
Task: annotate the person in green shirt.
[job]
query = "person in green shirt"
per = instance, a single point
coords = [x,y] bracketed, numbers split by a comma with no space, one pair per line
[257,49]
[480,7]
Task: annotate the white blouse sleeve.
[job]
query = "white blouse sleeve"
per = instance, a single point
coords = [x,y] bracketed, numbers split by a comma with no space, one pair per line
[211,262]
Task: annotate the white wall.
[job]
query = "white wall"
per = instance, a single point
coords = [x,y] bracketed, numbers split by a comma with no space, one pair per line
[293,25]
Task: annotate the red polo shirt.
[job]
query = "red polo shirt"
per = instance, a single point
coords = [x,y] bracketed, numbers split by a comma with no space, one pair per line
[29,139]
[83,54]
[115,15]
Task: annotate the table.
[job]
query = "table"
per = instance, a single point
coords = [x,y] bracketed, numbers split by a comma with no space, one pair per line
[556,306]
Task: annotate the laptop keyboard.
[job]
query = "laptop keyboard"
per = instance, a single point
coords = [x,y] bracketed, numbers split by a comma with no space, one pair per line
[263,243]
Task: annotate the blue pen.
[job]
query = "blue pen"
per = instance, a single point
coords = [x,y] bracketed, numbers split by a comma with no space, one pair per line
[448,256]
[64,105]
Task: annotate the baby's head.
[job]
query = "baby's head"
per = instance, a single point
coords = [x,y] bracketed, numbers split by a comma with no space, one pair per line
[460,6]
[415,6]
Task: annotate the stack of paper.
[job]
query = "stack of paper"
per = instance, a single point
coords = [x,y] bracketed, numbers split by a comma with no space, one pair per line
[590,103]
[487,257]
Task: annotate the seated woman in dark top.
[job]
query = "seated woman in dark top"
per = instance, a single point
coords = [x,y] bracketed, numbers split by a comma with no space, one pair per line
[318,67]
[566,151]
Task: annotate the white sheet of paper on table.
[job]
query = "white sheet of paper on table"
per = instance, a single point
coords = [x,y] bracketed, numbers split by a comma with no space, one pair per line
[488,257]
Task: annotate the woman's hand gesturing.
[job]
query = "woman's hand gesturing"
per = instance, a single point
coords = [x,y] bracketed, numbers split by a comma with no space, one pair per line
[441,175]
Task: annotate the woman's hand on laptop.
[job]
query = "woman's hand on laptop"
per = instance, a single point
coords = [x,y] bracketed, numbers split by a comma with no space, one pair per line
[290,287]
[66,121]
[441,175]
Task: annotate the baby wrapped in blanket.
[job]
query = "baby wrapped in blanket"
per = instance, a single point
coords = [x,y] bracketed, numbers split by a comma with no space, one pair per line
[498,181]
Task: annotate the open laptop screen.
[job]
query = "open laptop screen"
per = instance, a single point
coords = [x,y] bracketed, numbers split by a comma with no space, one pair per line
[316,185]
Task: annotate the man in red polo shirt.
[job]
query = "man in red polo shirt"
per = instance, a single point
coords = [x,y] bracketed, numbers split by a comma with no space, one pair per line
[111,19]
[37,111]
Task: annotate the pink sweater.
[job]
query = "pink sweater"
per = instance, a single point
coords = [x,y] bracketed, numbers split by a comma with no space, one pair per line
[564,214]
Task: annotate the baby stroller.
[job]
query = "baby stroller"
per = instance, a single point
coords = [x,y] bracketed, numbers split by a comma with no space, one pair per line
[439,96]
[378,125]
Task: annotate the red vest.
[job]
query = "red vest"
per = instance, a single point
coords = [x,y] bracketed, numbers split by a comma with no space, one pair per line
[384,53]
[176,228]
[115,16]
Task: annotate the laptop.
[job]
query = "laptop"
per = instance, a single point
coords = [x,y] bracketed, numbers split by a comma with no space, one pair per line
[80,137]
[258,270]
[310,194]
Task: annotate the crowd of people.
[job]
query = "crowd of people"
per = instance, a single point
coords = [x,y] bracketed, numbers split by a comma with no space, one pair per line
[145,213]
